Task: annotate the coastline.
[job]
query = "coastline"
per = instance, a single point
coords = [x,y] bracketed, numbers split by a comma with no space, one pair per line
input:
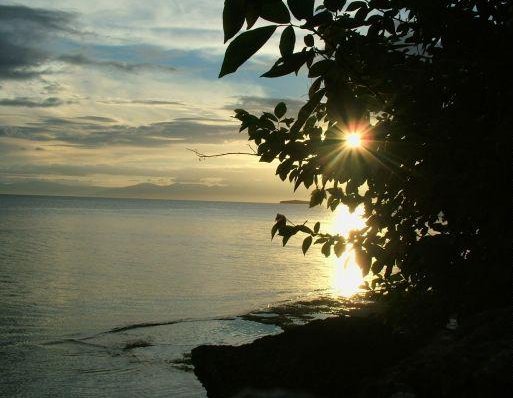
[358,354]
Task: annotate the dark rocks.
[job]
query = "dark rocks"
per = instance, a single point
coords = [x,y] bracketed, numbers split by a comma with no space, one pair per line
[363,357]
[329,358]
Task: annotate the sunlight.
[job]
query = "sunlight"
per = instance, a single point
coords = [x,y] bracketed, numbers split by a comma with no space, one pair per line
[347,275]
[354,140]
[344,221]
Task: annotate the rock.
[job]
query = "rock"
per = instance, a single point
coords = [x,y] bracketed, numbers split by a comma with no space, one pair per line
[363,357]
[328,358]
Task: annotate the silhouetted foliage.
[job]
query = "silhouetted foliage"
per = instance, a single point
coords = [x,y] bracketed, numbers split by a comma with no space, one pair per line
[428,84]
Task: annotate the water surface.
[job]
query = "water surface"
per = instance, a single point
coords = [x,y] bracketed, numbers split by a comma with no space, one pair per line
[74,269]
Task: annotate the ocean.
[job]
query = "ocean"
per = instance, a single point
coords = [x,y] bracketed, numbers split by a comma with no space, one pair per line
[82,280]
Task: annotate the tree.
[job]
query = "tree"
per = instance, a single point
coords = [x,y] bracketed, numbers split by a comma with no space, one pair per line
[426,85]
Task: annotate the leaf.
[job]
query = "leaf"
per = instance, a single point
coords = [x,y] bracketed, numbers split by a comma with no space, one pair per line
[243,47]
[233,17]
[389,25]
[317,226]
[303,228]
[287,41]
[280,110]
[270,116]
[274,230]
[334,5]
[284,168]
[361,14]
[287,65]
[326,249]
[315,86]
[317,197]
[306,110]
[363,260]
[355,5]
[320,68]
[301,9]
[309,40]
[322,18]
[339,247]
[252,13]
[274,11]
[306,244]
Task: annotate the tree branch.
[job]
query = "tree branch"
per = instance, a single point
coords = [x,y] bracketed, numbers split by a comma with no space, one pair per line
[216,155]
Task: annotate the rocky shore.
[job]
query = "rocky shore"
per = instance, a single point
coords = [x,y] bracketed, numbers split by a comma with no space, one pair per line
[362,356]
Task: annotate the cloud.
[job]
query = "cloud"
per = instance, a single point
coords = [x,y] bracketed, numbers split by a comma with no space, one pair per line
[141,102]
[258,104]
[93,132]
[34,103]
[36,18]
[22,30]
[97,119]
[29,38]
[82,60]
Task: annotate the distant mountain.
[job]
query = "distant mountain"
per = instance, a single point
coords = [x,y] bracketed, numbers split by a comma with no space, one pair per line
[295,202]
[250,191]
[144,190]
[178,191]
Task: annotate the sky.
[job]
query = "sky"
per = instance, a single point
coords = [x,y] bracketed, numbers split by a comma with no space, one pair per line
[111,93]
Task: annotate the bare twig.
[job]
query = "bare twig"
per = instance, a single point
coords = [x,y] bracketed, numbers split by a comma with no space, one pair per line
[201,155]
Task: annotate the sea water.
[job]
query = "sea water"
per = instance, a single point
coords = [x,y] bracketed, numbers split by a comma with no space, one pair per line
[103,297]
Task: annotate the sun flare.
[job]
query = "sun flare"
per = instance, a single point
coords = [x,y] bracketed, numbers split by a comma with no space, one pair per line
[354,140]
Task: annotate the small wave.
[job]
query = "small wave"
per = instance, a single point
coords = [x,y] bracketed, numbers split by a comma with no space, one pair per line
[165,323]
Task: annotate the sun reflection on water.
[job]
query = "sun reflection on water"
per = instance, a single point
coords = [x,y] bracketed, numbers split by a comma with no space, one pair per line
[347,275]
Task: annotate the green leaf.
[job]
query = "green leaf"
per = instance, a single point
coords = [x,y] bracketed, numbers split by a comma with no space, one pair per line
[280,110]
[243,47]
[317,226]
[274,11]
[301,9]
[233,17]
[306,244]
[287,41]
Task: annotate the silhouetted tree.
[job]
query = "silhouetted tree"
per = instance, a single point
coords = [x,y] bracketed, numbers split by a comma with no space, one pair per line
[427,85]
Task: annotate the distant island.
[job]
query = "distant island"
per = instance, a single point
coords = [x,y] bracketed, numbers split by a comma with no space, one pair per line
[295,202]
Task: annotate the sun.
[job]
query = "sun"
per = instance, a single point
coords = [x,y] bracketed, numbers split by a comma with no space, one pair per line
[354,140]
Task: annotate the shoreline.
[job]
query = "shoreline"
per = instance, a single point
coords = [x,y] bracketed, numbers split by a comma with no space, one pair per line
[357,354]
